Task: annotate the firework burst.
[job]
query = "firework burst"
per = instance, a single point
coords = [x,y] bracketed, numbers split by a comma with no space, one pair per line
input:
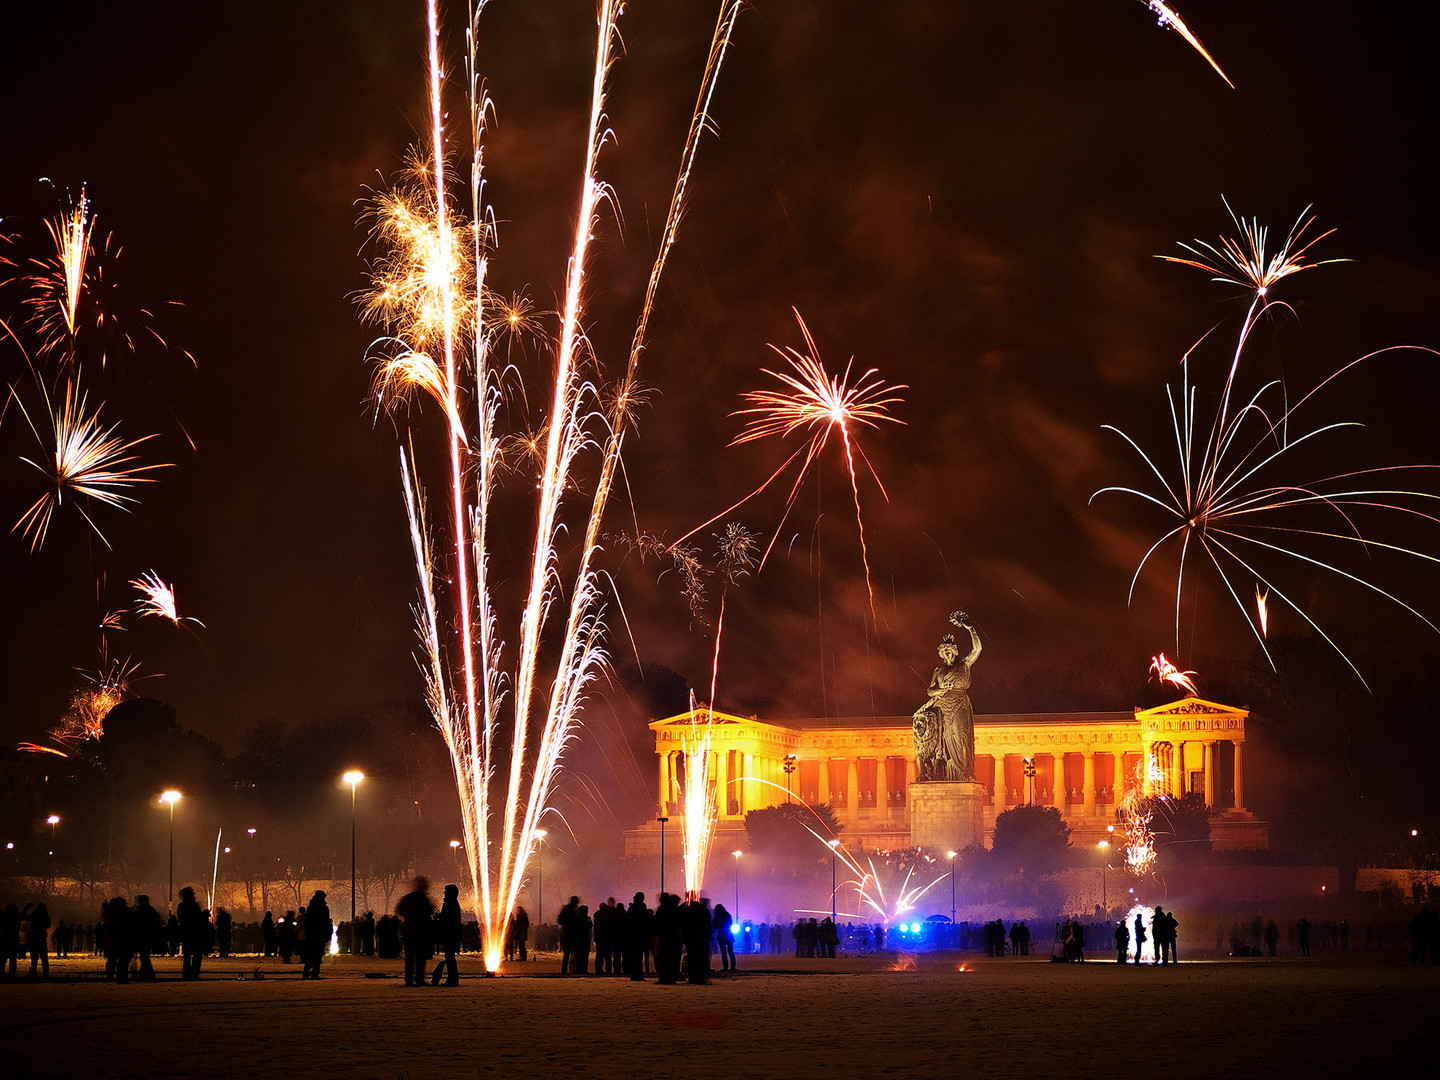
[91,463]
[1240,495]
[814,401]
[158,599]
[1168,674]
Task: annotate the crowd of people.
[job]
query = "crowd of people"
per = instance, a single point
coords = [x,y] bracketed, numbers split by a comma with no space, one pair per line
[677,938]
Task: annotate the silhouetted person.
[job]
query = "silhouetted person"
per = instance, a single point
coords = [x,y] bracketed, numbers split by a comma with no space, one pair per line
[1122,941]
[725,937]
[517,933]
[450,929]
[1272,937]
[172,936]
[149,935]
[223,924]
[193,926]
[1302,928]
[9,941]
[1139,937]
[317,935]
[669,937]
[289,936]
[635,937]
[696,923]
[416,911]
[37,944]
[581,927]
[119,943]
[564,921]
[367,934]
[267,933]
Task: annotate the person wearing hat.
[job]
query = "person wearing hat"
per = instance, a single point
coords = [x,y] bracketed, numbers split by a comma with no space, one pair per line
[317,935]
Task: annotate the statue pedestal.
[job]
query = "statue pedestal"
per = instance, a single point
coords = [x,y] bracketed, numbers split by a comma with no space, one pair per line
[946,815]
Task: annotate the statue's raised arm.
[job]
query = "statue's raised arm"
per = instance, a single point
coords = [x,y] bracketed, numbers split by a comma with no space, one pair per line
[961,619]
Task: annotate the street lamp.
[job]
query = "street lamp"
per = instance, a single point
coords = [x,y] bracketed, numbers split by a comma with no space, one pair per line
[789,767]
[951,856]
[662,821]
[1029,780]
[540,835]
[353,778]
[737,853]
[171,797]
[832,845]
[1104,847]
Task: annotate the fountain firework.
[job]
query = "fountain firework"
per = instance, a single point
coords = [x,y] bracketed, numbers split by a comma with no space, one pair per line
[506,728]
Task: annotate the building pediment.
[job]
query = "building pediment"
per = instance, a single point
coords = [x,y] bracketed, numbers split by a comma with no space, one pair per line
[1192,706]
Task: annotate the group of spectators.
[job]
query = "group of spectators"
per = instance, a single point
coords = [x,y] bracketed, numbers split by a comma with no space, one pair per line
[676,936]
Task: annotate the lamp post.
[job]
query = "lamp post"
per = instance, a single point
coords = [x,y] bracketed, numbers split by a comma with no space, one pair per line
[540,835]
[52,821]
[353,778]
[662,820]
[789,767]
[737,853]
[1104,847]
[832,845]
[171,797]
[951,856]
[1029,780]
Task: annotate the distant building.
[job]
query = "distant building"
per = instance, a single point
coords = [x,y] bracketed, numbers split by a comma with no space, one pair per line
[863,767]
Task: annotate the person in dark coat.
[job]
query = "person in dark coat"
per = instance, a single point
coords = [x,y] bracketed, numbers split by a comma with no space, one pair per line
[1139,936]
[450,928]
[367,934]
[223,923]
[38,943]
[519,933]
[116,918]
[635,934]
[416,912]
[194,928]
[317,935]
[267,933]
[289,931]
[1122,941]
[669,936]
[725,937]
[149,935]
[567,933]
[698,925]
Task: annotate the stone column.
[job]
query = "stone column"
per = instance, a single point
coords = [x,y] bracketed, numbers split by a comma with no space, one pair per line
[722,783]
[825,780]
[664,783]
[1239,781]
[1147,752]
[1177,769]
[1209,772]
[747,792]
[1087,807]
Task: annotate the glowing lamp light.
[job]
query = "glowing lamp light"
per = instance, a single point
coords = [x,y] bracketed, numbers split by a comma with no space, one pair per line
[171,797]
[353,777]
[53,819]
[914,927]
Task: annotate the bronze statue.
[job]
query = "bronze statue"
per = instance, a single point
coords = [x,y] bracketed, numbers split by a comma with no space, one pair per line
[944,727]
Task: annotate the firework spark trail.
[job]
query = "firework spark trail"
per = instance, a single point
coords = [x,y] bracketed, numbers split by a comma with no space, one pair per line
[1139,840]
[90,461]
[870,888]
[1168,16]
[815,400]
[158,598]
[71,234]
[506,792]
[1232,493]
[1167,672]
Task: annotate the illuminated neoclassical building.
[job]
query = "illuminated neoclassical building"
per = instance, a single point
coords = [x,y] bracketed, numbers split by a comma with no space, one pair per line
[1083,763]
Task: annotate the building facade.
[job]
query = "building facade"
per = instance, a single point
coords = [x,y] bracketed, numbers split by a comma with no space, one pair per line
[863,768]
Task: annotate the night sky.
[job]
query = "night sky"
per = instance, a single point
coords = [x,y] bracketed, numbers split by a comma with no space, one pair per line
[966,196]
